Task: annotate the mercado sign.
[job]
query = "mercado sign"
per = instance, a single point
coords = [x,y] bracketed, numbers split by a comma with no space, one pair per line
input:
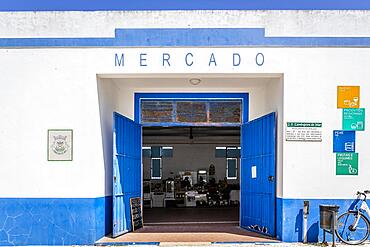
[347,164]
[188,58]
[303,131]
[353,119]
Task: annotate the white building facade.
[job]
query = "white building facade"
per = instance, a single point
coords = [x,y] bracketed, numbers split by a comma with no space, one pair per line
[70,70]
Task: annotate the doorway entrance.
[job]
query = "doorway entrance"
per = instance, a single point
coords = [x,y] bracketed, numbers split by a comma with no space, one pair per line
[191,175]
[176,112]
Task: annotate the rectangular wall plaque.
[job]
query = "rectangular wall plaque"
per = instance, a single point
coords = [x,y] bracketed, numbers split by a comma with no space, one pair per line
[60,145]
[344,141]
[347,163]
[348,97]
[353,119]
[303,131]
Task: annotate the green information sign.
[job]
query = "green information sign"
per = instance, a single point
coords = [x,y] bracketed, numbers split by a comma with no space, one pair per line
[303,124]
[347,164]
[353,119]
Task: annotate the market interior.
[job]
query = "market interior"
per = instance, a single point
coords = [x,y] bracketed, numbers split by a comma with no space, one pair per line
[191,175]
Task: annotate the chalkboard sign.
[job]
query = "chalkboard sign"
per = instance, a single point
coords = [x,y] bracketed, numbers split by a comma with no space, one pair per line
[136,216]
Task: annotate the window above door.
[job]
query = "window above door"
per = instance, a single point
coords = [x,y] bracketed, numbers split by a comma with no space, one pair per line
[191,112]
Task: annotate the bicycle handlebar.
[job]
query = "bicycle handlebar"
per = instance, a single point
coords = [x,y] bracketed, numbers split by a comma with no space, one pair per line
[363,193]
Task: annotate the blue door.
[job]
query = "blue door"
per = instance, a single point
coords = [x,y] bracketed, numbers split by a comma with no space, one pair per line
[126,170]
[257,175]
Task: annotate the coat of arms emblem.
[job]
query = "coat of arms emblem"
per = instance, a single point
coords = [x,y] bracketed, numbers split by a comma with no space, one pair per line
[60,145]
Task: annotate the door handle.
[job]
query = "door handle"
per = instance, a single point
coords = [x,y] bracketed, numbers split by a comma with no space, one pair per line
[271,178]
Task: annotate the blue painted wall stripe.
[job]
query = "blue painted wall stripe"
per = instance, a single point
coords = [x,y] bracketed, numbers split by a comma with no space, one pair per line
[71,221]
[94,5]
[290,218]
[54,221]
[186,37]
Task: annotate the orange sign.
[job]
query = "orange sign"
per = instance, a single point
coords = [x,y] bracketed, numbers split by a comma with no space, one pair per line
[348,97]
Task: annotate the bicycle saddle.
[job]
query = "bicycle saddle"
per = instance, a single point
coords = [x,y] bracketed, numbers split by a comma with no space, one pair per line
[367,191]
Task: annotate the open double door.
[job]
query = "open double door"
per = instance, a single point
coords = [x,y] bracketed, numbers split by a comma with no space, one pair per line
[257,173]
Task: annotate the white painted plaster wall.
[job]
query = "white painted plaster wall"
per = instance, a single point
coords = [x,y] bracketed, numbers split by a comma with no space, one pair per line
[57,88]
[103,23]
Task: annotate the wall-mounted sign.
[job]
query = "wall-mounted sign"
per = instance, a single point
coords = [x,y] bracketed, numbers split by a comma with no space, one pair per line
[353,119]
[348,97]
[347,164]
[303,131]
[344,141]
[254,171]
[189,58]
[60,145]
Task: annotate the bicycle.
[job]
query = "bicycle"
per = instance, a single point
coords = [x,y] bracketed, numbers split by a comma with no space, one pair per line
[353,227]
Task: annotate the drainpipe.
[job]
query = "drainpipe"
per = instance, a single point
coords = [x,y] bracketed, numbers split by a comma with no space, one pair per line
[306,211]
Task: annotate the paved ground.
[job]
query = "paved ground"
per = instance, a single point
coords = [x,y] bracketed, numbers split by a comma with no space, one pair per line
[205,244]
[177,227]
[200,233]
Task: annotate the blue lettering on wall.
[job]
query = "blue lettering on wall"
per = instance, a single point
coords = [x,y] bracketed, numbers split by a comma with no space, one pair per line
[166,57]
[236,59]
[260,59]
[119,61]
[186,59]
[143,59]
[212,59]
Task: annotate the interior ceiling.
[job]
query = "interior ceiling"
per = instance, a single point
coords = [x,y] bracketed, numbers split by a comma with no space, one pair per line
[193,132]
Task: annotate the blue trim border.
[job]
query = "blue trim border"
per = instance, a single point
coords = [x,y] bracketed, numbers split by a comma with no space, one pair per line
[188,37]
[190,96]
[95,5]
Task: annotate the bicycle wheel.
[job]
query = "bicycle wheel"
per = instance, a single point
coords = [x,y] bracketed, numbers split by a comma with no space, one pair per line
[350,235]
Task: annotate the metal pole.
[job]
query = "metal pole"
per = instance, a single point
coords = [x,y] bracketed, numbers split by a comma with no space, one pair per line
[306,205]
[333,225]
[305,229]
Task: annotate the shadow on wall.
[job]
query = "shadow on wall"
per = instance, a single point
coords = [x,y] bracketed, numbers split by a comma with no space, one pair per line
[312,232]
[299,225]
[107,105]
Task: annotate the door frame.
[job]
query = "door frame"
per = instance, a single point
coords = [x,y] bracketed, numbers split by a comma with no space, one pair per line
[243,96]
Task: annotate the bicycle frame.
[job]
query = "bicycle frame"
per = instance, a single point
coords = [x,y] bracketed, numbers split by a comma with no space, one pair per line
[363,207]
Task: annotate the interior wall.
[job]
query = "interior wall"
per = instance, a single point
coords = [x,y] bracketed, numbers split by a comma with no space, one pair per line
[190,157]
